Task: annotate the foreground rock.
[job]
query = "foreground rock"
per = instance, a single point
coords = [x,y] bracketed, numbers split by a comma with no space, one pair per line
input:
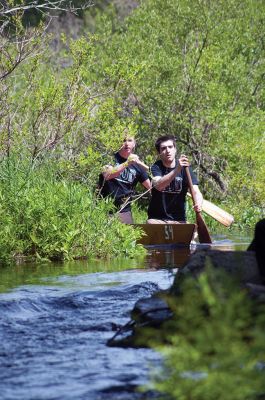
[240,264]
[153,311]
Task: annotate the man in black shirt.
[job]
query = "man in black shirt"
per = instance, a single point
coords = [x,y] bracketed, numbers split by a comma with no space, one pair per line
[170,185]
[119,181]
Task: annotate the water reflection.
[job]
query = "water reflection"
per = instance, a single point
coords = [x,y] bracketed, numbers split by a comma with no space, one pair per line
[175,258]
[162,257]
[33,273]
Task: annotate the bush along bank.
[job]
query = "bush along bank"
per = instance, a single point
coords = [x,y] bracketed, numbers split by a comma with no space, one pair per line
[44,216]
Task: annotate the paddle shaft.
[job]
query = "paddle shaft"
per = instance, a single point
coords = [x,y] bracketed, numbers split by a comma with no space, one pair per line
[203,233]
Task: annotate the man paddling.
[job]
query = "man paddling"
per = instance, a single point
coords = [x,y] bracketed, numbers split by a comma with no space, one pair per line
[170,185]
[119,181]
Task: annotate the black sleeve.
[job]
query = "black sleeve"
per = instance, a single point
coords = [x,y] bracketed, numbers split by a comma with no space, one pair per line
[156,170]
[143,175]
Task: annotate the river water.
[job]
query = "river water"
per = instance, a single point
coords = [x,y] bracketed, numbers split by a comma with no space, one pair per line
[55,321]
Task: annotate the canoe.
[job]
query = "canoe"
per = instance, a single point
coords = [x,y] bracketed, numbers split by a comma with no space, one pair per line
[166,235]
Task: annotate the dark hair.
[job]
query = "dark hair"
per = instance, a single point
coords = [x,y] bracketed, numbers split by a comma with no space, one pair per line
[164,139]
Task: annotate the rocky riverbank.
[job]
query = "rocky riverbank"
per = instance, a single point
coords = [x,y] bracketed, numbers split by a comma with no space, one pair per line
[153,311]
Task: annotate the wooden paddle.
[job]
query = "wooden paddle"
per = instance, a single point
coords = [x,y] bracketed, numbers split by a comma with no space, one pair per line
[217,213]
[203,233]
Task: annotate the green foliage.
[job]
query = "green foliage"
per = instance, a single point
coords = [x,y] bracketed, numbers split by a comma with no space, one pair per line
[191,68]
[45,216]
[214,345]
[196,70]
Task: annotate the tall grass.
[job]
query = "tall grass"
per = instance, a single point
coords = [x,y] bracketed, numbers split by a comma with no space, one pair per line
[45,216]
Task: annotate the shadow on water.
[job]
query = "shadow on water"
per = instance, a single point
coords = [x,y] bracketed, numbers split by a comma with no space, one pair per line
[55,321]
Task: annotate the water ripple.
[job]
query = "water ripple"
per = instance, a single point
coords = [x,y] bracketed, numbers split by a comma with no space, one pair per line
[53,337]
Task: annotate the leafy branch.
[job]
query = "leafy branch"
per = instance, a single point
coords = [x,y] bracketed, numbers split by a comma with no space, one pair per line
[60,5]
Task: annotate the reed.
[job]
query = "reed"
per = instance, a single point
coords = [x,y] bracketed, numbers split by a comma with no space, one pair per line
[45,216]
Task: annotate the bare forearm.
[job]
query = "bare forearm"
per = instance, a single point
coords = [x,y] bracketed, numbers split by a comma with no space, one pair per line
[111,172]
[161,183]
[198,198]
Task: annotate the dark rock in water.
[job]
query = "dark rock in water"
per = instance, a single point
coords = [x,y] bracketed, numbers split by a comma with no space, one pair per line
[154,311]
[256,292]
[147,312]
[240,264]
[124,337]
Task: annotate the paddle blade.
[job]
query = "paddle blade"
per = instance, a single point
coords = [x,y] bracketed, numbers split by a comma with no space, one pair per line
[203,233]
[217,213]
